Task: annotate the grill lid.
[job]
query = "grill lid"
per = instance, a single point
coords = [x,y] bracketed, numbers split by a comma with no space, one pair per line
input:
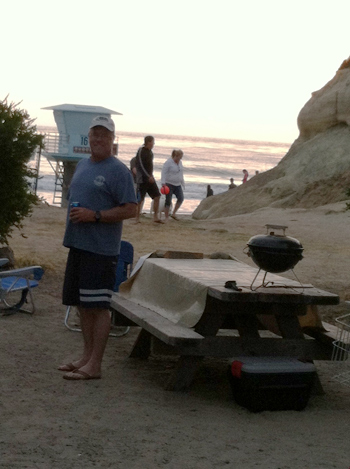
[275,252]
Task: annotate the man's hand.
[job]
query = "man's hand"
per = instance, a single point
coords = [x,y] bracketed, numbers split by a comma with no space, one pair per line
[81,215]
[151,180]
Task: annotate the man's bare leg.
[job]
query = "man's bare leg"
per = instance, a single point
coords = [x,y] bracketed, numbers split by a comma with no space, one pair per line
[95,326]
[156,210]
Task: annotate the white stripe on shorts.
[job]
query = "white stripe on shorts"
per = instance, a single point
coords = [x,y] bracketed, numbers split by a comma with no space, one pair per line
[95,299]
[95,296]
[96,292]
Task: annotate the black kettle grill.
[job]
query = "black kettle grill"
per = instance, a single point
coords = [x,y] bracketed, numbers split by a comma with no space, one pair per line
[275,253]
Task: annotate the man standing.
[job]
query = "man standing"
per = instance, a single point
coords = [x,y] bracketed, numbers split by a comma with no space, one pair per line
[210,191]
[145,180]
[102,187]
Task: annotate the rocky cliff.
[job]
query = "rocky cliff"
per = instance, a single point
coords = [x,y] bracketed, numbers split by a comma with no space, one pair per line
[316,169]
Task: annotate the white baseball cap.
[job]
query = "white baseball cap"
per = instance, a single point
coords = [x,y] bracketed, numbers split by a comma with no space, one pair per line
[103,121]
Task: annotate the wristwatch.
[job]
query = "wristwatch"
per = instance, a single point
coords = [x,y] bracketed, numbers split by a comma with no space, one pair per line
[97,216]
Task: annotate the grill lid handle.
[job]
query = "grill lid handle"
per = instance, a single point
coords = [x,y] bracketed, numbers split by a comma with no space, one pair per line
[276,227]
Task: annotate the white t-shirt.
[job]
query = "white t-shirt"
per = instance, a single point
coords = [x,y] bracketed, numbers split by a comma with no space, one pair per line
[172,173]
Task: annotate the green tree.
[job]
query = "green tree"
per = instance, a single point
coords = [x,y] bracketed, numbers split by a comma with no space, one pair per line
[18,141]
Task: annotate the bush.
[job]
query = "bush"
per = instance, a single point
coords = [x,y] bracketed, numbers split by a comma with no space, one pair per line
[18,141]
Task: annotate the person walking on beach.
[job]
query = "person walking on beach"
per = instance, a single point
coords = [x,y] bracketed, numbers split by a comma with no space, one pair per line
[245,176]
[145,180]
[173,177]
[210,191]
[103,194]
[232,185]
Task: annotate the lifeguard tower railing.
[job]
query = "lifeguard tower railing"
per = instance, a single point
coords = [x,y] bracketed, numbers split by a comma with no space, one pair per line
[56,142]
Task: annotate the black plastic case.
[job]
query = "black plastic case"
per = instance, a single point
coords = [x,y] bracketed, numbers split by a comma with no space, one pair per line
[271,383]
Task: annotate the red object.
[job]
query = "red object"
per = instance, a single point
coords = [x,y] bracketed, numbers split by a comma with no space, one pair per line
[165,190]
[236,368]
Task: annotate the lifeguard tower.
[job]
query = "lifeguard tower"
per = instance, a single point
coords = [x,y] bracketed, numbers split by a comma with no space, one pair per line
[63,149]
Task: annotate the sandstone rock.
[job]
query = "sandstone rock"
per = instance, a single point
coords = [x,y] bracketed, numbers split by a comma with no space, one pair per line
[316,169]
[327,107]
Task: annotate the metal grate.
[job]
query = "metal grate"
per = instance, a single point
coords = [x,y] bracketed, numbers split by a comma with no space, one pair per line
[341,348]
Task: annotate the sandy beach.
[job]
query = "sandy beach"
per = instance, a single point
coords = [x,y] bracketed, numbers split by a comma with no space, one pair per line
[127,419]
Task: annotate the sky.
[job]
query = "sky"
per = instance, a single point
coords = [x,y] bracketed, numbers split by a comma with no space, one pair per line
[224,68]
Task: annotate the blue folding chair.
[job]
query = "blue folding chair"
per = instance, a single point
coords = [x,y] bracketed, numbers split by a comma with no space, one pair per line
[124,268]
[16,285]
[125,262]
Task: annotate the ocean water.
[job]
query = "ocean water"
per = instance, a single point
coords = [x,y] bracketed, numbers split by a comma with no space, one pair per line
[206,161]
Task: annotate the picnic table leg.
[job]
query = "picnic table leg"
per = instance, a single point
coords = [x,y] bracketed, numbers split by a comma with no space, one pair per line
[187,365]
[247,326]
[142,346]
[290,328]
[210,323]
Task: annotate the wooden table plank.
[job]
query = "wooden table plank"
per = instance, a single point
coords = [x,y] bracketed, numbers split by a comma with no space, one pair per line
[275,295]
[226,346]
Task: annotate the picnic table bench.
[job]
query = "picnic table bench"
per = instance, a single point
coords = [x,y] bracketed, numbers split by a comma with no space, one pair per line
[165,330]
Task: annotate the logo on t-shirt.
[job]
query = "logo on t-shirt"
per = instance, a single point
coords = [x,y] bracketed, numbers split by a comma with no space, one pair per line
[99,181]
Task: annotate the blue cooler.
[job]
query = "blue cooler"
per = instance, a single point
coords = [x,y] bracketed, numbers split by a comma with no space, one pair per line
[271,383]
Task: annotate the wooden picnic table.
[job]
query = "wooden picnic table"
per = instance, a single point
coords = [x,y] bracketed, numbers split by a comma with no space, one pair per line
[233,321]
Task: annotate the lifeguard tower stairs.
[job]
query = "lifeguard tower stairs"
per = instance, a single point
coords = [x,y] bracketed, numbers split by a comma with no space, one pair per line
[65,148]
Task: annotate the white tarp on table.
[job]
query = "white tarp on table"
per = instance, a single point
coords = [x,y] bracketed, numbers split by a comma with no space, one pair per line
[162,285]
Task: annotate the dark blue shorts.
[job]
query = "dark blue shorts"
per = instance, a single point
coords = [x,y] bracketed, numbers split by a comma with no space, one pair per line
[177,191]
[89,279]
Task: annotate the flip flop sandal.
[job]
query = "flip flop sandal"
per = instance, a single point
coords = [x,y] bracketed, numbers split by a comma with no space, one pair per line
[79,375]
[67,367]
